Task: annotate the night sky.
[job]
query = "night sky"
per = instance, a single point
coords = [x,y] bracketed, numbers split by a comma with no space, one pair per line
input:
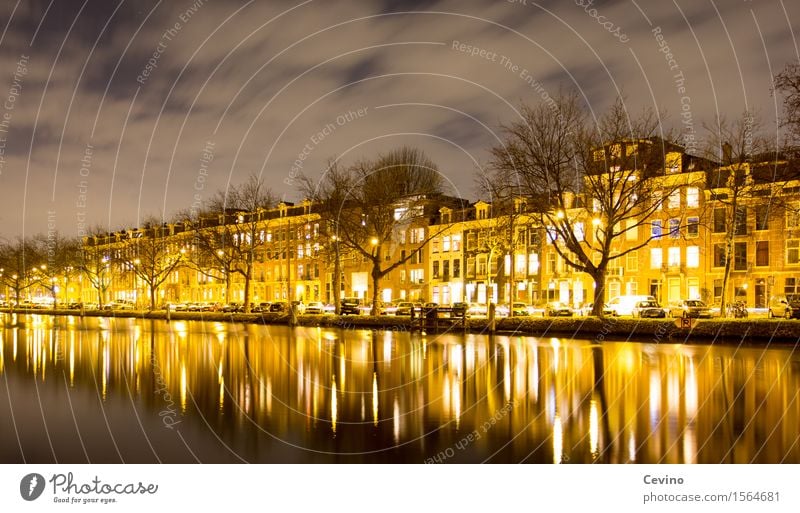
[113,111]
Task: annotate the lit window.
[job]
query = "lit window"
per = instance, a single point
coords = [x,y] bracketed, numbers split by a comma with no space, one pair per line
[674,257]
[674,199]
[632,261]
[692,197]
[578,230]
[632,231]
[693,256]
[656,255]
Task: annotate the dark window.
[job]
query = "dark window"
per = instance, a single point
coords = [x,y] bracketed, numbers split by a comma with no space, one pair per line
[674,228]
[719,220]
[740,221]
[792,286]
[693,227]
[655,229]
[719,255]
[446,269]
[740,256]
[456,268]
[762,253]
[436,270]
[762,217]
[717,289]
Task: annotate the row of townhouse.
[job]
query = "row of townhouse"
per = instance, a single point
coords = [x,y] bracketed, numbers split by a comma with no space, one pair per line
[483,252]
[678,252]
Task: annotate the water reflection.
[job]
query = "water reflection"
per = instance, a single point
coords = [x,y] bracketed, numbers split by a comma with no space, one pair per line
[139,390]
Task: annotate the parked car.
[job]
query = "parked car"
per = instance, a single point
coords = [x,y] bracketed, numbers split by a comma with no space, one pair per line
[262,307]
[521,309]
[556,309]
[648,309]
[315,308]
[587,308]
[120,304]
[624,305]
[404,308]
[299,307]
[350,306]
[784,305]
[477,310]
[458,309]
[279,307]
[689,308]
[430,309]
[389,308]
[233,308]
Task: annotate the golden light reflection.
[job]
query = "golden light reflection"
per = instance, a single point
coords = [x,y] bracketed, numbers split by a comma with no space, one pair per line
[341,367]
[375,398]
[334,406]
[106,367]
[458,387]
[558,439]
[72,361]
[269,395]
[594,427]
[396,421]
[183,386]
[632,446]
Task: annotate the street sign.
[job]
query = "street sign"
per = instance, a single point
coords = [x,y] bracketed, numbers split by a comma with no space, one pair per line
[685,323]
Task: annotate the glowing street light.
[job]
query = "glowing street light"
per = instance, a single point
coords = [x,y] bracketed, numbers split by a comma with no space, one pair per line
[374,241]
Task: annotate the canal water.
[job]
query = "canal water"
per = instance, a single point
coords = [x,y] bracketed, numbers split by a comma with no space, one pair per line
[130,390]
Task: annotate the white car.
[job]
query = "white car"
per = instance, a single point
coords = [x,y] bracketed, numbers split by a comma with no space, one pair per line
[315,308]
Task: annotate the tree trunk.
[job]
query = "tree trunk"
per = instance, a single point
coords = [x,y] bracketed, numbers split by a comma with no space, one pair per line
[726,277]
[599,277]
[376,280]
[337,282]
[227,287]
[153,289]
[247,277]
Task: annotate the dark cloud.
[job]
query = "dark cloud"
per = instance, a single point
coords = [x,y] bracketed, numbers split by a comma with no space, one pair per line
[248,79]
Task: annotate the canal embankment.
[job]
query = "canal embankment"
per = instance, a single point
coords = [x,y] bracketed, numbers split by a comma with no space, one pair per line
[758,331]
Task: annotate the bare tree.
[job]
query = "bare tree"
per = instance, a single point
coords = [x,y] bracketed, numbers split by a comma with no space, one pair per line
[235,242]
[503,228]
[587,184]
[375,202]
[17,261]
[787,82]
[57,255]
[329,196]
[736,146]
[152,256]
[209,251]
[94,263]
